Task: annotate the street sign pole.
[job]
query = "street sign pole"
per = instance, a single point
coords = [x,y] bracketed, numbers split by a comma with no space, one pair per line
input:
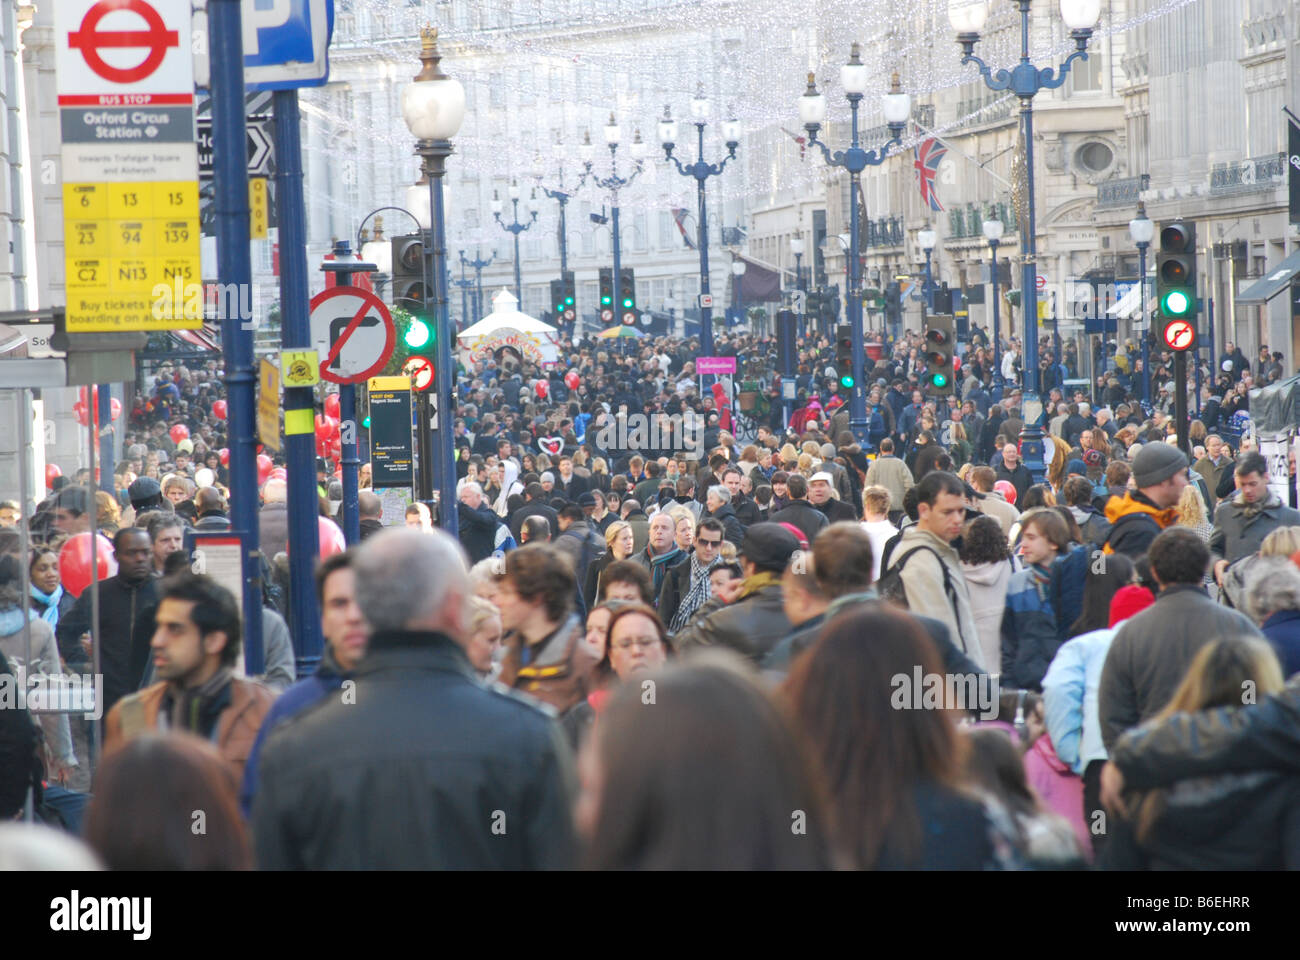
[299,404]
[1180,401]
[230,177]
[348,415]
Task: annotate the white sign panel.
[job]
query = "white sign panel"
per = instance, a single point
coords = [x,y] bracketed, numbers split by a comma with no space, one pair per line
[123,53]
[352,332]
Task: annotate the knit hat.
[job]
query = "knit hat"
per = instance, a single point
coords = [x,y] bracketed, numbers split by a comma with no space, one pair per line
[1076,466]
[1156,463]
[1128,601]
[1092,458]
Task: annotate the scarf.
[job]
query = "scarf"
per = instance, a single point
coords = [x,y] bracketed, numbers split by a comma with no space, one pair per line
[1252,510]
[659,566]
[700,593]
[51,601]
[758,581]
[198,709]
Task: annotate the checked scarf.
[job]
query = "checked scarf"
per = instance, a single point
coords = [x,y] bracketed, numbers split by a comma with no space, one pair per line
[700,593]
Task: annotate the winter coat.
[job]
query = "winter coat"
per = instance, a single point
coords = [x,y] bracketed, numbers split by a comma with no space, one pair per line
[1282,631]
[478,530]
[803,515]
[1152,651]
[987,584]
[126,626]
[731,527]
[557,671]
[892,474]
[394,777]
[1070,692]
[582,545]
[1236,535]
[923,582]
[995,505]
[1135,521]
[1020,477]
[751,625]
[1093,524]
[837,510]
[1029,637]
[1059,787]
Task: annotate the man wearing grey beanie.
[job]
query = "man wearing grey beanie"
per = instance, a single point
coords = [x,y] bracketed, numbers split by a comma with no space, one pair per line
[1159,474]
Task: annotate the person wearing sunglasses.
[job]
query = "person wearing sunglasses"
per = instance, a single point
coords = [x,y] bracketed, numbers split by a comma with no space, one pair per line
[686,585]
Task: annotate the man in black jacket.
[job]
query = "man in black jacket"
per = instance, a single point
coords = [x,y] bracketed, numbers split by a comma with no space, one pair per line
[799,511]
[485,777]
[126,608]
[478,523]
[1009,468]
[746,510]
[210,510]
[717,504]
[819,494]
[534,506]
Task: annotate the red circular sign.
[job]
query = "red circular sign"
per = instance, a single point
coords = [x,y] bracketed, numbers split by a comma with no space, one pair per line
[157,40]
[420,370]
[1179,335]
[607,315]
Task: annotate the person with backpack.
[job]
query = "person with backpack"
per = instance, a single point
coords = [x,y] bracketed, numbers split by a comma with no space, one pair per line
[924,571]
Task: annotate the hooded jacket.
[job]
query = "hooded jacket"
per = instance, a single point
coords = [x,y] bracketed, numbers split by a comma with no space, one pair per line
[1237,534]
[1134,522]
[1029,639]
[923,582]
[987,584]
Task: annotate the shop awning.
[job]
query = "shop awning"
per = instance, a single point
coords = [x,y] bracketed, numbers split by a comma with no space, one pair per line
[1272,283]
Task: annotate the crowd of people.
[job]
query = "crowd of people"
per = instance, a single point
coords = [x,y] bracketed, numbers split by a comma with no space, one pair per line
[695,646]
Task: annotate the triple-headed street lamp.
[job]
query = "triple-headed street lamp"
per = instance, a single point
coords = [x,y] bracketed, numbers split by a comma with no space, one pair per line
[701,171]
[433,107]
[477,265]
[561,196]
[812,110]
[1025,80]
[993,233]
[516,227]
[613,183]
[1142,230]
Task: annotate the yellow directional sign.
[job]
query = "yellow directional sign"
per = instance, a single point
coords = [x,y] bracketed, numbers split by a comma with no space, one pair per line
[301,368]
[259,208]
[268,406]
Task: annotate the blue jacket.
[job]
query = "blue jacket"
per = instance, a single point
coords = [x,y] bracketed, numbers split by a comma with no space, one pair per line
[292,702]
[1282,631]
[1069,575]
[1029,637]
[1070,698]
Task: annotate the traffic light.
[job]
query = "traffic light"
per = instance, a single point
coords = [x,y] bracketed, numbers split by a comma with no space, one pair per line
[831,303]
[408,271]
[417,333]
[844,355]
[557,298]
[627,294]
[894,303]
[606,295]
[787,328]
[940,348]
[1176,271]
[569,291]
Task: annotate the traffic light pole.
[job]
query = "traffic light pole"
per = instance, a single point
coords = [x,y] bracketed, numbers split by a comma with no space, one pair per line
[1180,401]
[299,404]
[343,266]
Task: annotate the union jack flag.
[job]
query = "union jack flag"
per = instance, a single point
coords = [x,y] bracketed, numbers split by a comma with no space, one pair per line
[928,157]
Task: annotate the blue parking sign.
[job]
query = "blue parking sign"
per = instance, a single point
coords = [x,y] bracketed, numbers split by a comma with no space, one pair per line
[286,43]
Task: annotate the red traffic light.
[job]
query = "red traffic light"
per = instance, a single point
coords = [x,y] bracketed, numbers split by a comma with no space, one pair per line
[1176,238]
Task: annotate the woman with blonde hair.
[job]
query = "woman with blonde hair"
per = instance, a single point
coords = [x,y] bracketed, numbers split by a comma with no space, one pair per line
[1232,821]
[806,462]
[1056,467]
[619,541]
[600,474]
[1191,512]
[789,455]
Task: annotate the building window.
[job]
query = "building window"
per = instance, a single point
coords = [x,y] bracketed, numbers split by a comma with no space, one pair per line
[1094,157]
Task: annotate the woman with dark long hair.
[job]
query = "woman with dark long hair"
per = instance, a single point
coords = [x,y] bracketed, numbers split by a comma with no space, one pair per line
[893,769]
[714,779]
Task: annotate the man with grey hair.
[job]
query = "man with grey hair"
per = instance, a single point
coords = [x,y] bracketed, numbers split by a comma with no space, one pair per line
[414,765]
[1273,599]
[481,530]
[662,551]
[717,506]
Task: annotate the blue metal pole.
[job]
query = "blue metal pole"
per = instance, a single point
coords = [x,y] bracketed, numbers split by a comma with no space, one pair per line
[997,320]
[564,237]
[1031,437]
[706,313]
[446,461]
[351,463]
[1209,315]
[929,284]
[299,402]
[617,266]
[519,284]
[1146,322]
[230,179]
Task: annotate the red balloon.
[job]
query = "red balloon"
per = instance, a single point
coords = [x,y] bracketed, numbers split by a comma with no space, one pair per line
[332,405]
[178,432]
[219,409]
[74,562]
[279,473]
[336,450]
[115,408]
[224,454]
[542,388]
[51,471]
[331,537]
[83,415]
[326,427]
[264,467]
[322,447]
[571,380]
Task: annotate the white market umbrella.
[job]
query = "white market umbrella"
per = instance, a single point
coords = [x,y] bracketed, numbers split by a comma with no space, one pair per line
[505,314]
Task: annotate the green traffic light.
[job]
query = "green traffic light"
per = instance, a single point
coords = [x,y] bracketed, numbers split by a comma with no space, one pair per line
[366,423]
[606,300]
[418,334]
[939,380]
[559,308]
[627,303]
[846,381]
[1176,304]
[568,301]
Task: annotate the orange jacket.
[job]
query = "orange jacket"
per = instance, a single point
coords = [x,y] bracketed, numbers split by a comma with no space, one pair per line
[1135,522]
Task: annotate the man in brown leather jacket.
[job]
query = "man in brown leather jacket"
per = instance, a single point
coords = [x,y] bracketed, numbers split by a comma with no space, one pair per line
[195,647]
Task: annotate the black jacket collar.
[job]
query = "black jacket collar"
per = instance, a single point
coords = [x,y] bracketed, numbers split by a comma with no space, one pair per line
[414,649]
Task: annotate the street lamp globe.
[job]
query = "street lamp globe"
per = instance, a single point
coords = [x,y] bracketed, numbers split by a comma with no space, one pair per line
[738,267]
[433,104]
[993,229]
[853,75]
[796,246]
[1080,14]
[613,132]
[667,129]
[968,16]
[896,104]
[731,133]
[380,253]
[497,205]
[513,190]
[534,205]
[638,147]
[1141,228]
[586,149]
[812,105]
[700,106]
[927,239]
[417,201]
